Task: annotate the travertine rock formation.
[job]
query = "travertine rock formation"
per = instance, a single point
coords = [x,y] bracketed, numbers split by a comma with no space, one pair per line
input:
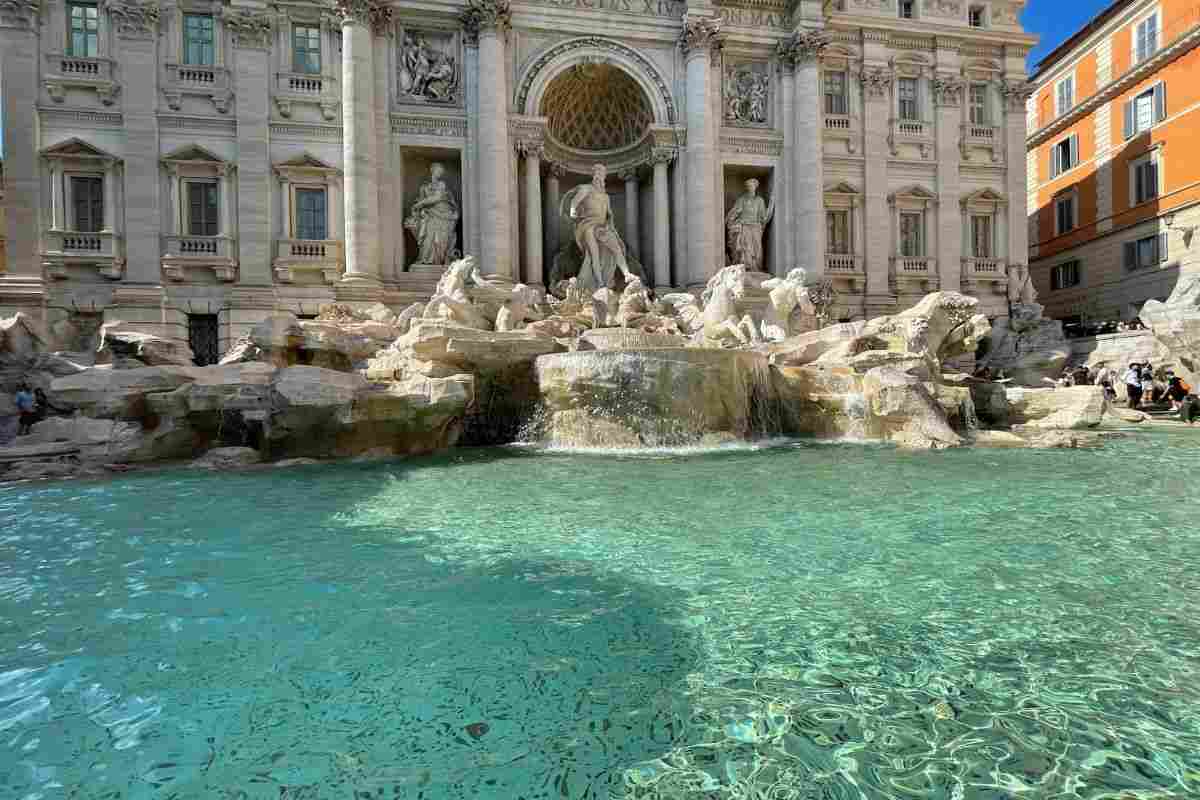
[1176,324]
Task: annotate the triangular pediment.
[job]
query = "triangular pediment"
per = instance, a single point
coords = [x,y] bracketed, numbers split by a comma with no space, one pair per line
[75,148]
[984,196]
[307,161]
[841,187]
[194,152]
[916,193]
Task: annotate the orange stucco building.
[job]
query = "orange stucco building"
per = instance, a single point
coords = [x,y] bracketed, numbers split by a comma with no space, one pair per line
[1113,161]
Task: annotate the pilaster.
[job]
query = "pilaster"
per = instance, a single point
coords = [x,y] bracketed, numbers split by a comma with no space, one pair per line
[19,67]
[1015,92]
[877,86]
[947,96]
[803,50]
[782,239]
[252,41]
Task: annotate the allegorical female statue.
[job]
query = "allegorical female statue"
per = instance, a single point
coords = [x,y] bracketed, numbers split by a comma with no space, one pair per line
[432,219]
[745,223]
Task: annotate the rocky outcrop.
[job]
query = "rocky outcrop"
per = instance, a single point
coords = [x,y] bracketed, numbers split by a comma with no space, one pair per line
[222,458]
[1027,349]
[123,347]
[107,393]
[1176,324]
[1069,408]
[902,409]
[285,341]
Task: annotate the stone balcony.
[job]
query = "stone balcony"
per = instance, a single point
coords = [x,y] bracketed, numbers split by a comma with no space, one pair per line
[65,72]
[843,127]
[295,258]
[984,137]
[197,80]
[318,90]
[847,266]
[181,253]
[911,132]
[64,249]
[911,273]
[983,274]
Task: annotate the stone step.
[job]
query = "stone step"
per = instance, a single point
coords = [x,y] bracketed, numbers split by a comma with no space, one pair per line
[32,452]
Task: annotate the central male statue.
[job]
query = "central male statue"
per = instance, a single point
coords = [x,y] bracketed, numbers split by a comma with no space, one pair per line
[745,223]
[601,245]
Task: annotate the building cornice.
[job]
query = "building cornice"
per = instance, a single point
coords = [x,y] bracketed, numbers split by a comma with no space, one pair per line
[1117,87]
[883,30]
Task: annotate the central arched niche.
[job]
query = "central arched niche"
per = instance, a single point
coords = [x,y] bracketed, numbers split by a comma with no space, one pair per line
[596,108]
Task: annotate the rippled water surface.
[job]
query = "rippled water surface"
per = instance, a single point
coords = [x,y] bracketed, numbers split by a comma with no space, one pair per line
[798,622]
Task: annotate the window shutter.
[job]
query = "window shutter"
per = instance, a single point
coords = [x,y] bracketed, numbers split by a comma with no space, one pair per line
[1074,150]
[1162,248]
[1151,179]
[1160,101]
[1054,161]
[1131,256]
[1129,119]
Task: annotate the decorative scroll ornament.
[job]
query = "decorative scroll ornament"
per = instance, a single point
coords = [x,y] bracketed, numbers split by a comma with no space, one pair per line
[486,15]
[367,13]
[133,19]
[947,90]
[802,47]
[1015,93]
[251,29]
[876,81]
[700,34]
[19,13]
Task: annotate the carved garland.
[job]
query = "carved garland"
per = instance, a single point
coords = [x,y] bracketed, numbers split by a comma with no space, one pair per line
[133,19]
[603,44]
[251,29]
[486,15]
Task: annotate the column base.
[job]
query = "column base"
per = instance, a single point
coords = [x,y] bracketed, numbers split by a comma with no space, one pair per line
[359,288]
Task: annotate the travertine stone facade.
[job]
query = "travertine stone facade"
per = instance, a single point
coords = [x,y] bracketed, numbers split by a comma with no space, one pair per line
[1113,185]
[186,164]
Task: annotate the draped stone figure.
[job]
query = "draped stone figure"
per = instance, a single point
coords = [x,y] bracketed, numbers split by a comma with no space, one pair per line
[432,220]
[745,223]
[603,251]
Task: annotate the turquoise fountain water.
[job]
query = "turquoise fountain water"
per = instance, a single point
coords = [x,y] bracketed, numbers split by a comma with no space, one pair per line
[803,621]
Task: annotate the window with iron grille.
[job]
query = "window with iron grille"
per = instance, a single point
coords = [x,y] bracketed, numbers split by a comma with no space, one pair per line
[202,336]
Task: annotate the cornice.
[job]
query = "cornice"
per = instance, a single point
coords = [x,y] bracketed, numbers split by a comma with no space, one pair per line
[1117,86]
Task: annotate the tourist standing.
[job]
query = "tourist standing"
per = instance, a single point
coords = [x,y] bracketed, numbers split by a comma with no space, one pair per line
[1177,390]
[1133,385]
[25,408]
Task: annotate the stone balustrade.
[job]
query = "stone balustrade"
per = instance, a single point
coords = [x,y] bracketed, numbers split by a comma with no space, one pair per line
[324,256]
[77,72]
[989,271]
[198,77]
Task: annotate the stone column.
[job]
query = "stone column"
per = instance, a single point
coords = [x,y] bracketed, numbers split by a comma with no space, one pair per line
[19,62]
[700,40]
[58,207]
[252,40]
[781,183]
[359,18]
[632,237]
[110,196]
[1015,92]
[662,220]
[806,172]
[876,216]
[533,212]
[487,22]
[947,97]
[136,29]
[553,198]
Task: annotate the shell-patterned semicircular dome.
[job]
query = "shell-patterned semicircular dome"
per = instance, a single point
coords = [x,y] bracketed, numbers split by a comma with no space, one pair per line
[596,107]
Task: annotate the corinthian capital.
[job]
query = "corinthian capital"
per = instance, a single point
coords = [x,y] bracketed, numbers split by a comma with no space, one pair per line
[802,47]
[947,90]
[876,81]
[483,16]
[700,34]
[368,13]
[251,29]
[1016,92]
[133,19]
[19,13]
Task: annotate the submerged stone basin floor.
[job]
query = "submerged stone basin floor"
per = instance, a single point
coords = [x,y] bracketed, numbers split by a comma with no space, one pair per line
[797,621]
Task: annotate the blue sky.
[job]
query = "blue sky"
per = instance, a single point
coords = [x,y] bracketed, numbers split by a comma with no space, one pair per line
[1055,20]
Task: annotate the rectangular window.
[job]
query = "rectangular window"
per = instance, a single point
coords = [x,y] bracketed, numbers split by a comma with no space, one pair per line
[198,40]
[1146,38]
[306,49]
[976,16]
[1064,276]
[202,208]
[1145,180]
[911,244]
[907,93]
[310,214]
[1064,155]
[87,201]
[836,101]
[981,235]
[908,9]
[979,107]
[1064,214]
[1146,110]
[83,38]
[1146,252]
[837,232]
[1065,95]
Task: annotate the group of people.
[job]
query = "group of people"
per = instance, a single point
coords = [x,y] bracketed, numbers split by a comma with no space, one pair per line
[32,406]
[1142,387]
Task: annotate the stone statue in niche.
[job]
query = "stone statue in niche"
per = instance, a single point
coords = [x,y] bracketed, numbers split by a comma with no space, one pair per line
[745,223]
[426,72]
[746,95]
[588,206]
[432,219]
